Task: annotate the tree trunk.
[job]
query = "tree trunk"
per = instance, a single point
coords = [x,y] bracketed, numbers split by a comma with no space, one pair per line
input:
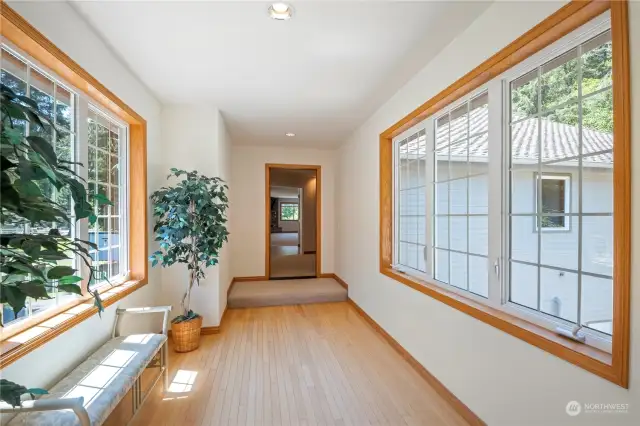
[186,300]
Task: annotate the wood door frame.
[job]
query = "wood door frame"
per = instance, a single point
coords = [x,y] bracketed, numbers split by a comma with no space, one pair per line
[267,199]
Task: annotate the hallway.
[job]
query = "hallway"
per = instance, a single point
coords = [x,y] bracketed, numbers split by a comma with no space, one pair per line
[318,364]
[287,259]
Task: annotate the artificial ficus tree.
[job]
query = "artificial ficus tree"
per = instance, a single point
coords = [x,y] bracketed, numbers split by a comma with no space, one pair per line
[32,248]
[190,227]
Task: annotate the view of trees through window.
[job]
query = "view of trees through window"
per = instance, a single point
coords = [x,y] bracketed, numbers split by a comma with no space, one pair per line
[562,130]
[288,211]
[552,252]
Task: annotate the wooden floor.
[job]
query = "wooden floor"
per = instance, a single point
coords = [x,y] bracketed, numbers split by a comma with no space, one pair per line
[309,365]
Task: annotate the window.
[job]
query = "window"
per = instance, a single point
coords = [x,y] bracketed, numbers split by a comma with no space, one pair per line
[101,145]
[506,195]
[561,121]
[105,175]
[289,211]
[555,198]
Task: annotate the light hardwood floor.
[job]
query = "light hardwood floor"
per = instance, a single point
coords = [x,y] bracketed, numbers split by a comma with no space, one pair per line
[309,365]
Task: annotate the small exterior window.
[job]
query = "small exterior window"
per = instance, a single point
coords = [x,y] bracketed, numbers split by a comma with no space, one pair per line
[555,197]
[289,212]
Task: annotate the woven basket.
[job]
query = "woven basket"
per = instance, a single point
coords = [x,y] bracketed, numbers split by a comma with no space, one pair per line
[186,335]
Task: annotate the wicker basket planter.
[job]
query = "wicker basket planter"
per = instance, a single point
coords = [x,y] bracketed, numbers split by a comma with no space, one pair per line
[186,335]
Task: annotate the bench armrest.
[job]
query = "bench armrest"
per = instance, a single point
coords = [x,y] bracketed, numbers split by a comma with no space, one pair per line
[75,404]
[166,310]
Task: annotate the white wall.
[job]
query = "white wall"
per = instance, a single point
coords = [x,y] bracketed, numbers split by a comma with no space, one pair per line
[194,137]
[248,209]
[65,28]
[501,378]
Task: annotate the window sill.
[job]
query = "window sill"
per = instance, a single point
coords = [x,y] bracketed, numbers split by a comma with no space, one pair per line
[586,357]
[19,341]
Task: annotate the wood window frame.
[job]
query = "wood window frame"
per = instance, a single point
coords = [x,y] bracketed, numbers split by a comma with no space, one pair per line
[24,338]
[615,366]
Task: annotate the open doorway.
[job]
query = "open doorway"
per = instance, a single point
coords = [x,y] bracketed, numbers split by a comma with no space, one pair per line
[292,221]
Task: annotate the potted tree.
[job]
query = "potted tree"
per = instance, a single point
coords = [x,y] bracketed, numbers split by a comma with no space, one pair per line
[191,228]
[35,264]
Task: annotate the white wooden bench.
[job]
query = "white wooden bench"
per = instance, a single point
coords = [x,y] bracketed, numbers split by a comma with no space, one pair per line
[87,395]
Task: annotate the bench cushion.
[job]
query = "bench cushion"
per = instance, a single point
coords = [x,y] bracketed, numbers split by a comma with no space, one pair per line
[103,380]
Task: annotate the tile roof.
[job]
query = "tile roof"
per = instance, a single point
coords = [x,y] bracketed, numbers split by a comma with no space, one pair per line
[559,141]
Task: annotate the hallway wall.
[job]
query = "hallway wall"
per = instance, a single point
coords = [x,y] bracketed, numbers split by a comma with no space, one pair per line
[194,137]
[247,201]
[504,380]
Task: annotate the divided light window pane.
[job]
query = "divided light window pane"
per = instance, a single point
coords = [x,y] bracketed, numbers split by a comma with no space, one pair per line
[561,241]
[550,202]
[106,168]
[411,194]
[56,102]
[104,175]
[460,196]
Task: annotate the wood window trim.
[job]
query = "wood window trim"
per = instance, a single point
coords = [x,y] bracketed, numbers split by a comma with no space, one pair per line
[615,366]
[27,38]
[267,203]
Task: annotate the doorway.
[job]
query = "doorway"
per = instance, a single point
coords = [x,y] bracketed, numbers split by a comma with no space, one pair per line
[292,240]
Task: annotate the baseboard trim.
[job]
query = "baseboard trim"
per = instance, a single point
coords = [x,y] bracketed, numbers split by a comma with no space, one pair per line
[337,278]
[205,331]
[308,251]
[256,278]
[441,389]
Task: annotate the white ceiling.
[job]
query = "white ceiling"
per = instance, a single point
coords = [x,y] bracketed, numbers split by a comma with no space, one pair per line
[319,75]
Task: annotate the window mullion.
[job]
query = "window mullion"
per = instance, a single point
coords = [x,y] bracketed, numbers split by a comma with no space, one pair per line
[82,156]
[429,179]
[497,165]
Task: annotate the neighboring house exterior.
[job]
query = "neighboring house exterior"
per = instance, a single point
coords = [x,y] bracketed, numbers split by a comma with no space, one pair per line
[462,213]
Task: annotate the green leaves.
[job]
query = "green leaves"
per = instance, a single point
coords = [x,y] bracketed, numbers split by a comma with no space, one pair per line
[32,264]
[11,392]
[70,288]
[58,272]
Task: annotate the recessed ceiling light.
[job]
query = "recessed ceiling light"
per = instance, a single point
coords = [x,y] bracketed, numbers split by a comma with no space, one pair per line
[290,134]
[280,11]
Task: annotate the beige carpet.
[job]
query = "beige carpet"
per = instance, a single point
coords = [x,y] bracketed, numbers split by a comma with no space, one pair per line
[285,292]
[300,265]
[284,239]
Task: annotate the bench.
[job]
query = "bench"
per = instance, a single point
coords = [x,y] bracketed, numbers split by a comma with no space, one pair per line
[89,393]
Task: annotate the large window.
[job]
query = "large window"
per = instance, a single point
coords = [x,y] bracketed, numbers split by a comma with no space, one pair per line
[506,195]
[100,143]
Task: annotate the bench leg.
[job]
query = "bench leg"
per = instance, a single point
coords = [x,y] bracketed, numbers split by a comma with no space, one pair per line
[165,365]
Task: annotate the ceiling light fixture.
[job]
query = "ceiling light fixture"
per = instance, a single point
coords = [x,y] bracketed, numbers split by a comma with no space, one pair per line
[290,134]
[280,11]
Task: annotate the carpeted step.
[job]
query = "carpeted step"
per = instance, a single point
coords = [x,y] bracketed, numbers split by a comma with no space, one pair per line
[253,294]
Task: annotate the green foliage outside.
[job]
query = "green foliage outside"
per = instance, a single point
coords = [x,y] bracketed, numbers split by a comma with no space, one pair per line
[190,227]
[289,212]
[559,87]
